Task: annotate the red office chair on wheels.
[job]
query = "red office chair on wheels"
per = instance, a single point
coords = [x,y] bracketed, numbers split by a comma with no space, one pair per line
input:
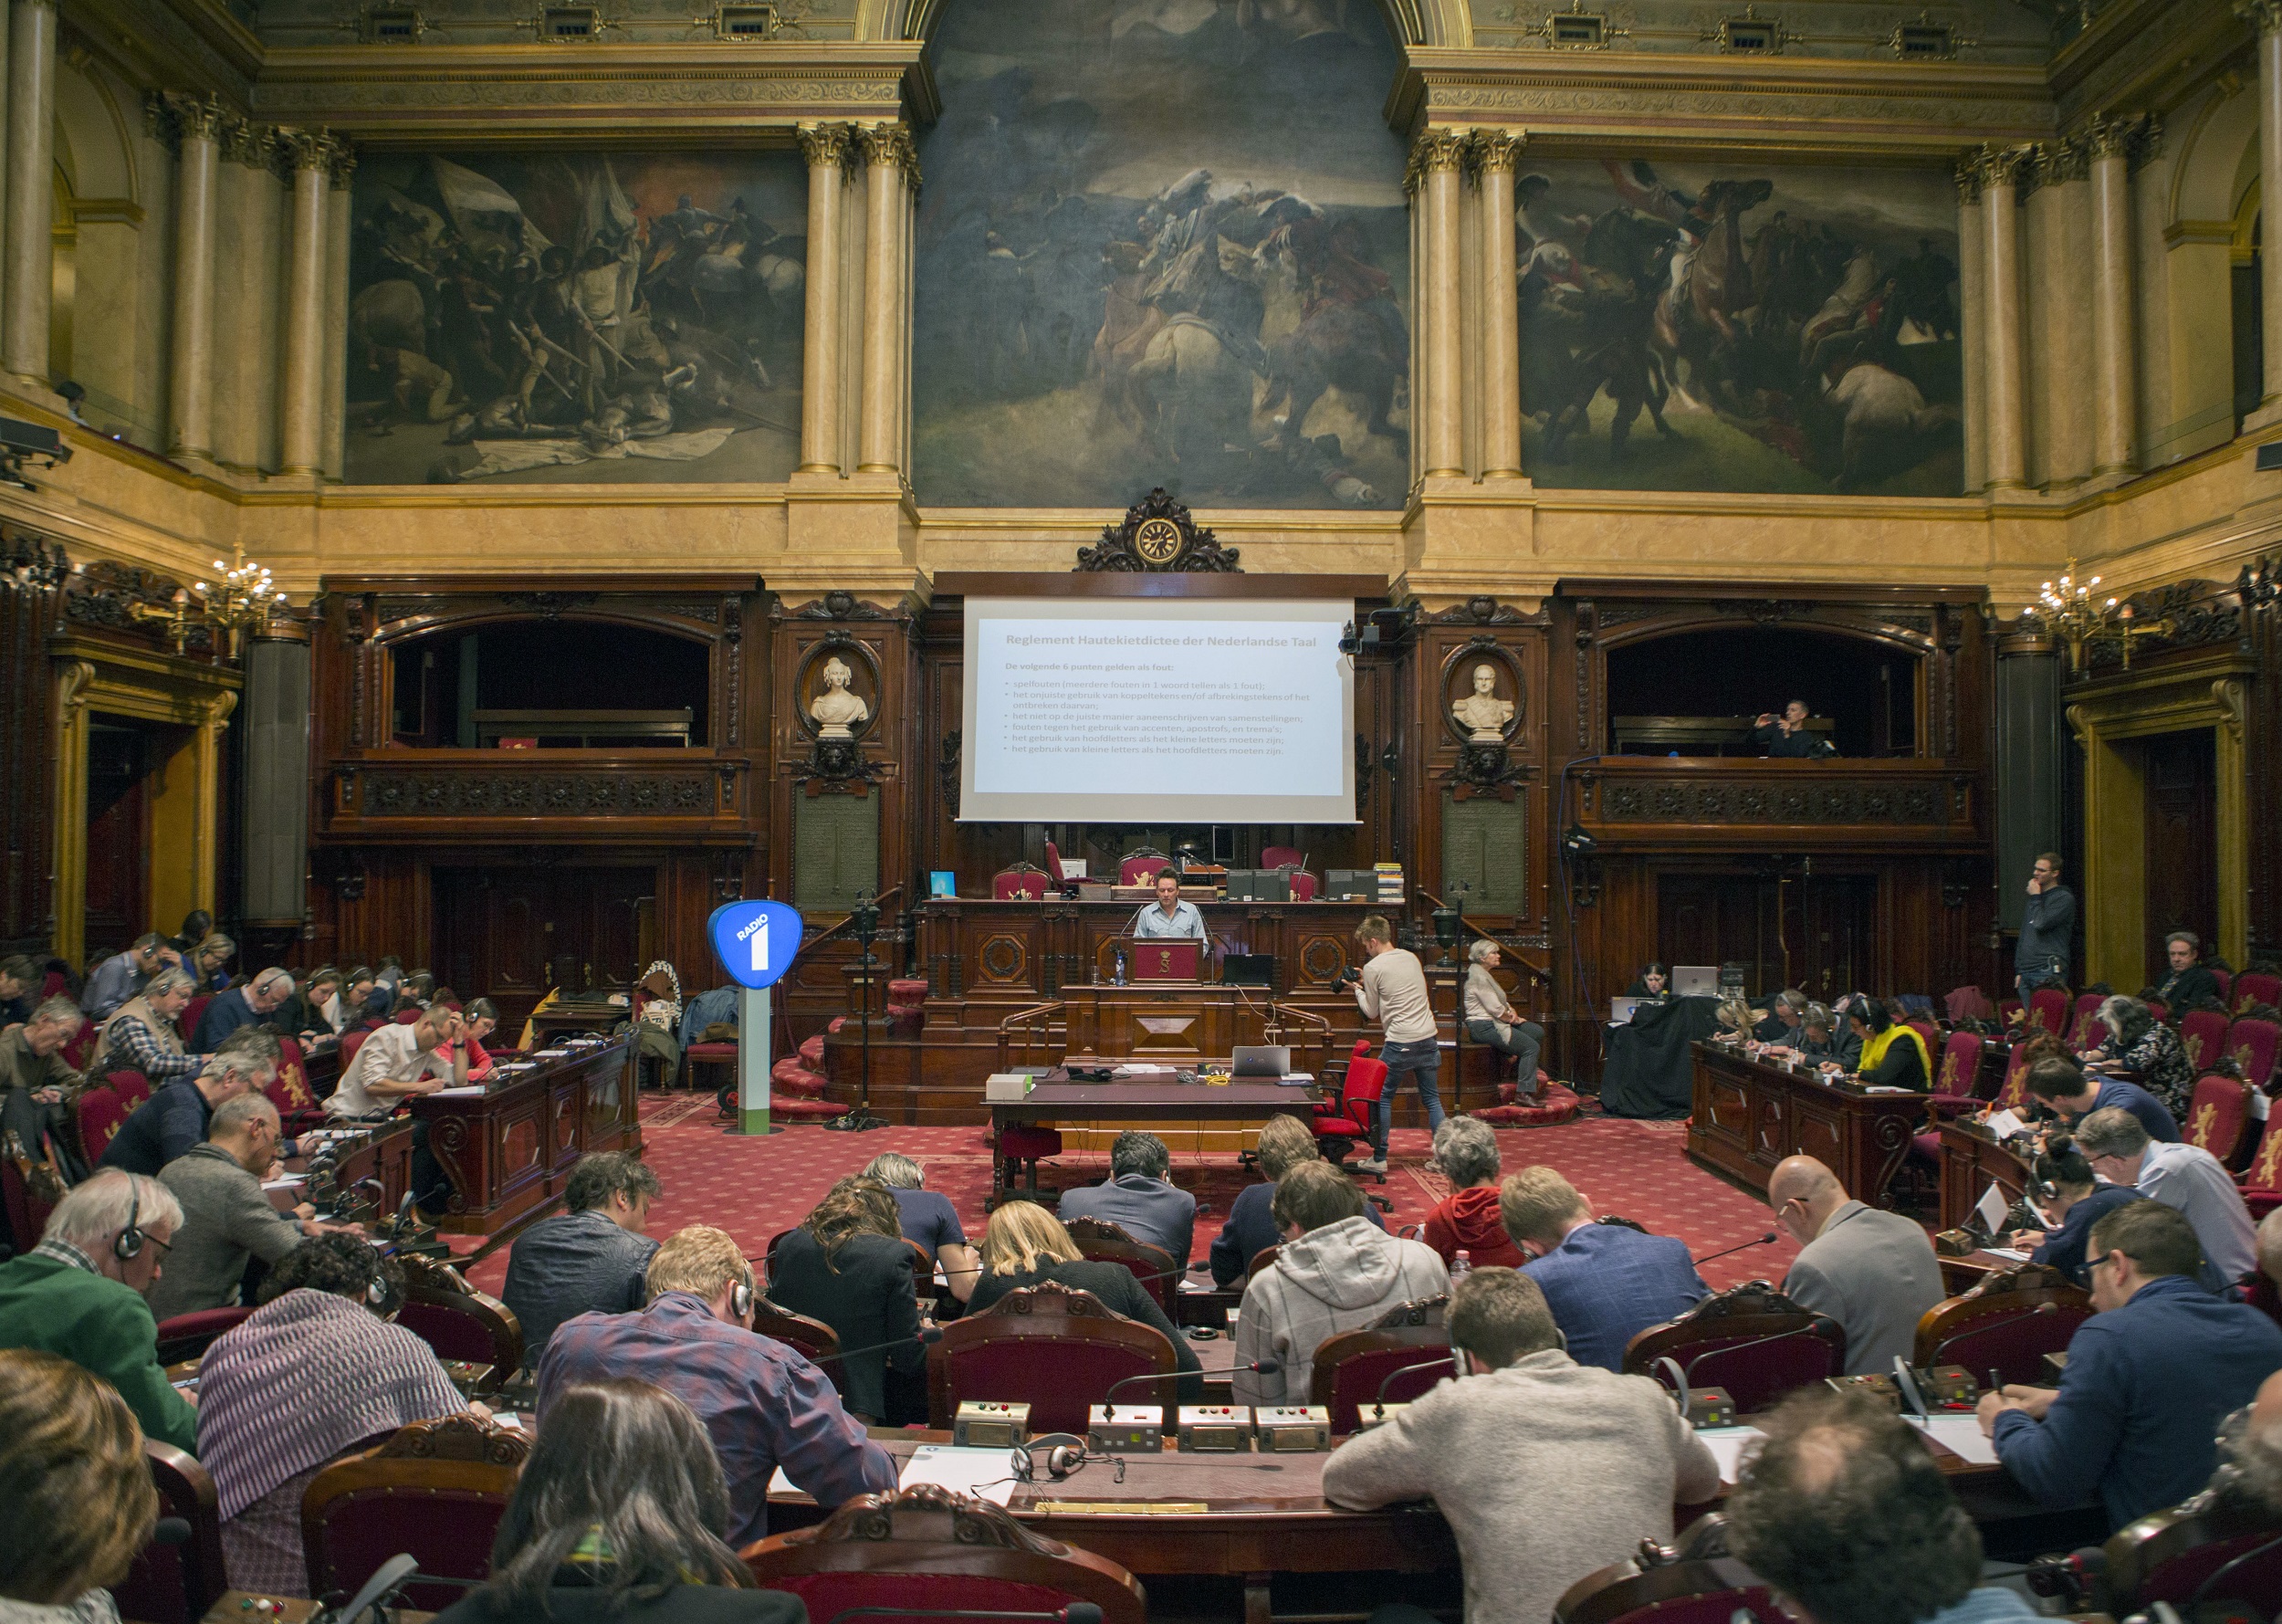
[1338,1129]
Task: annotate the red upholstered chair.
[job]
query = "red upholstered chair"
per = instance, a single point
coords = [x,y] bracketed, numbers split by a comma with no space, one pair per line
[188,1336]
[2085,1032]
[1057,1348]
[2007,1324]
[100,1111]
[2012,1094]
[1340,1127]
[2217,1114]
[53,984]
[458,1322]
[707,1054]
[1103,1241]
[75,1053]
[26,1216]
[2202,1034]
[1022,1146]
[187,1021]
[2251,1044]
[2048,1008]
[290,1091]
[2214,1550]
[1929,1031]
[814,1340]
[1303,886]
[2262,1181]
[1282,857]
[351,1041]
[1706,1343]
[2255,987]
[1956,1073]
[1054,867]
[1021,881]
[131,1087]
[1138,868]
[929,1546]
[176,1584]
[1715,1590]
[436,1488]
[1265,1258]
[1352,1367]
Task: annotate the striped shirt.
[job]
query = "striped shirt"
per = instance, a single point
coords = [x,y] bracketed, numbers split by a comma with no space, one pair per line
[130,1045]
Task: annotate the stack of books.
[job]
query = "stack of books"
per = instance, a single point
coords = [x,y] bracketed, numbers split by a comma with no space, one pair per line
[1389,882]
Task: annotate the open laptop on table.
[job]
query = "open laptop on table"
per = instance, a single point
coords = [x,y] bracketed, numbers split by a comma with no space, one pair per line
[1695,981]
[1620,1009]
[1256,1061]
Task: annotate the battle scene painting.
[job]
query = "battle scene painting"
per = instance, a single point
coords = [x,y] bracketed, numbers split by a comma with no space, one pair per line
[1162,242]
[576,318]
[1741,328]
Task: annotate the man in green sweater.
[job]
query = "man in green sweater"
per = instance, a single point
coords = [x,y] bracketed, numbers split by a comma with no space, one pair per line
[80,1295]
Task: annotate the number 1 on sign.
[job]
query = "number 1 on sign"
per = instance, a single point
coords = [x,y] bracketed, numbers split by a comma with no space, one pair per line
[759,940]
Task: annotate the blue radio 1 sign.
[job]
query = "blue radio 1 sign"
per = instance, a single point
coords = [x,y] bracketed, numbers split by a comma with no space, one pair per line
[755,941]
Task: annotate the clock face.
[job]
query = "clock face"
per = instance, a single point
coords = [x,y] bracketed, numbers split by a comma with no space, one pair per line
[1157,540]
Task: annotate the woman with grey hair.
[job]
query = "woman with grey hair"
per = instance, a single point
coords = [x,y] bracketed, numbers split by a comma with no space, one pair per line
[2140,1043]
[1468,1219]
[929,1219]
[1820,1039]
[1491,1019]
[142,1036]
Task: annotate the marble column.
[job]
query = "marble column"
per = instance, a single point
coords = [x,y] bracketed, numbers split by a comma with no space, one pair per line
[27,279]
[888,156]
[2114,376]
[2003,386]
[1973,289]
[1437,158]
[197,126]
[1496,152]
[825,148]
[310,156]
[2266,15]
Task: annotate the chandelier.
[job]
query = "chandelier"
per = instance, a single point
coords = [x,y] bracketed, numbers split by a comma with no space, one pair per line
[2074,611]
[241,599]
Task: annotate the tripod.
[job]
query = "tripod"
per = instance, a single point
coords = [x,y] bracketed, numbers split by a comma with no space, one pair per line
[866,923]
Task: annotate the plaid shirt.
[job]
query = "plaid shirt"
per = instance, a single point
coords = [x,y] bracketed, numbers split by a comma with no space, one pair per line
[762,1403]
[129,1046]
[63,1251]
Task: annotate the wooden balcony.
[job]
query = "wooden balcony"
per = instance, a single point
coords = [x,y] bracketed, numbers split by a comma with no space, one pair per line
[485,795]
[1651,803]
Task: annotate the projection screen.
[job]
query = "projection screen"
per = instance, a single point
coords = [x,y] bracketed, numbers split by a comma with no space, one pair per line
[1181,710]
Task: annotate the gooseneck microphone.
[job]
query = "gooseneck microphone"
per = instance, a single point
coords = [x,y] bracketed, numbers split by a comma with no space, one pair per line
[1965,1333]
[1734,1347]
[1766,1239]
[1378,1403]
[1262,1367]
[923,1335]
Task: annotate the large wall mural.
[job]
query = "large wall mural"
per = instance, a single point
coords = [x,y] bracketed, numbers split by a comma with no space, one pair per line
[574,319]
[1162,242]
[1745,327]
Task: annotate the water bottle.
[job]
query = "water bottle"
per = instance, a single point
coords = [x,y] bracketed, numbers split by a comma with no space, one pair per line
[1121,967]
[1461,1265]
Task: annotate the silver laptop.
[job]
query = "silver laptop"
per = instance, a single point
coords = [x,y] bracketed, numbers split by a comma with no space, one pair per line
[1261,1060]
[1695,981]
[1620,1009]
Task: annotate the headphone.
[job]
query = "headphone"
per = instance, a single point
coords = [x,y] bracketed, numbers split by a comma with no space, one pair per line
[127,1245]
[741,1299]
[1064,1455]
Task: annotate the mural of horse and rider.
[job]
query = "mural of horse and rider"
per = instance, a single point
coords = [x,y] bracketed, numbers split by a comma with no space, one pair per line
[1749,328]
[1162,242]
[575,319]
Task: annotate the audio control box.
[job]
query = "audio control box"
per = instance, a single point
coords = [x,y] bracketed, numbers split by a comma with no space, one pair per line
[1367,1416]
[988,1424]
[1293,1429]
[1140,1428]
[1216,1429]
[1710,1406]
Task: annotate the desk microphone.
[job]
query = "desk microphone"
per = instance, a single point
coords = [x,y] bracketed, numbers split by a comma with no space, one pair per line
[1766,1239]
[391,1573]
[1379,1404]
[1808,1328]
[1978,1326]
[924,1335]
[1077,1612]
[1262,1367]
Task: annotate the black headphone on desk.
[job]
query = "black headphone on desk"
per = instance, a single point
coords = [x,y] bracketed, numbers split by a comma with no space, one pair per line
[127,1245]
[1063,1456]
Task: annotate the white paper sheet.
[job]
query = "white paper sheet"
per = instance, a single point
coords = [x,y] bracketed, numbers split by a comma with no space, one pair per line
[2007,1253]
[1727,1445]
[2004,1125]
[1960,1434]
[988,1475]
[1991,1208]
[472,1092]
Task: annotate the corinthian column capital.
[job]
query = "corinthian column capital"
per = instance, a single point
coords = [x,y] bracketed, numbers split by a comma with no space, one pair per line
[824,146]
[2266,15]
[1496,149]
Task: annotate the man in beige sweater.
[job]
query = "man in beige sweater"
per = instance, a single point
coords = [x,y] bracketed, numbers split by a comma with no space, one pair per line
[1392,990]
[1545,1470]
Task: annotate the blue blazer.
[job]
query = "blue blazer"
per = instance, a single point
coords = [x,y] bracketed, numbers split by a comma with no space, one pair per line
[2140,1400]
[1146,1209]
[1606,1284]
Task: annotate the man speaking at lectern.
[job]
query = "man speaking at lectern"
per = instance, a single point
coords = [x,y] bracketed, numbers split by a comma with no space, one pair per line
[1168,914]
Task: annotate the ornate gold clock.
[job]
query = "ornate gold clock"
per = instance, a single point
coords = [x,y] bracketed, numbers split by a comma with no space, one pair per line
[1158,540]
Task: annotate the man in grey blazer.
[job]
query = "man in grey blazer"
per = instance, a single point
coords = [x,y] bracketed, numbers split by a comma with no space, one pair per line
[1140,1197]
[1874,1273]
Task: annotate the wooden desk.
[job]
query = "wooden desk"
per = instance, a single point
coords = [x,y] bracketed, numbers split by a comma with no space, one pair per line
[1972,1160]
[511,1148]
[1749,1115]
[384,1156]
[1150,1097]
[569,1017]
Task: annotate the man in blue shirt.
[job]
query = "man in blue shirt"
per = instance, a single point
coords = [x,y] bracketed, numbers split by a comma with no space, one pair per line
[241,1006]
[1140,1197]
[120,977]
[1168,914]
[1606,1284]
[928,1218]
[2148,1376]
[173,1119]
[2076,1094]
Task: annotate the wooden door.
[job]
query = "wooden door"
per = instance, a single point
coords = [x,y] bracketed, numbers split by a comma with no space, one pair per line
[2181,772]
[118,760]
[1832,951]
[510,933]
[1722,918]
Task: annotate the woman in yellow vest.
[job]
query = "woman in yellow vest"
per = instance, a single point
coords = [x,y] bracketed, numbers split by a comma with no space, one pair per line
[1893,1055]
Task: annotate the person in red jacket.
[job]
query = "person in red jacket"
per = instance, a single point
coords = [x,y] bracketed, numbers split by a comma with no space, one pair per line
[1467,1220]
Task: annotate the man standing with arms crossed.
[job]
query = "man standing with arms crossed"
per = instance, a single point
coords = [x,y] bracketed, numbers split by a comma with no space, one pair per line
[1392,990]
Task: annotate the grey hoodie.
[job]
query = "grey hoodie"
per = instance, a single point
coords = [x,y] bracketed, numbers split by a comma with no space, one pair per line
[1337,1278]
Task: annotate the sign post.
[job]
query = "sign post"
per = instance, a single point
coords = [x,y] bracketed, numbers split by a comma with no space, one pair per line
[756,943]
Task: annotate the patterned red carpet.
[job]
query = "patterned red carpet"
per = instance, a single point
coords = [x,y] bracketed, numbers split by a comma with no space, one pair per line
[756,1188]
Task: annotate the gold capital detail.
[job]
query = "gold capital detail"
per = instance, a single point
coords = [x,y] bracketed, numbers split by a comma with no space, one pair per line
[1496,149]
[824,146]
[2010,166]
[1445,149]
[889,144]
[2266,15]
[244,141]
[310,148]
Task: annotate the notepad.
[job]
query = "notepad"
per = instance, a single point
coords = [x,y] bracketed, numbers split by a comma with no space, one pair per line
[988,1475]
[1727,1445]
[1960,1434]
[474,1091]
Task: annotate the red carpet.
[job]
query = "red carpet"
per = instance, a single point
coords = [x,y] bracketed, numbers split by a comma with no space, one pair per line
[756,1188]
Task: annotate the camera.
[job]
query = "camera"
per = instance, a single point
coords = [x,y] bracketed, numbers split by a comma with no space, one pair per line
[1349,976]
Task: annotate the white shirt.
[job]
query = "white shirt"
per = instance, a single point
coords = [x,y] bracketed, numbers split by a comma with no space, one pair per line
[392,1054]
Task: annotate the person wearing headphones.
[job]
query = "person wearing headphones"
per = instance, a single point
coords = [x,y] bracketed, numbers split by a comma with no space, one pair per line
[763,1404]
[249,1005]
[80,1295]
[1893,1055]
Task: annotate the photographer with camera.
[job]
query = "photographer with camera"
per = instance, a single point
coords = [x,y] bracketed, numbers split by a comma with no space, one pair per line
[1391,989]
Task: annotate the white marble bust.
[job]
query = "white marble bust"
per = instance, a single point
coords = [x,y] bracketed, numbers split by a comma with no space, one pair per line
[1482,712]
[837,710]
